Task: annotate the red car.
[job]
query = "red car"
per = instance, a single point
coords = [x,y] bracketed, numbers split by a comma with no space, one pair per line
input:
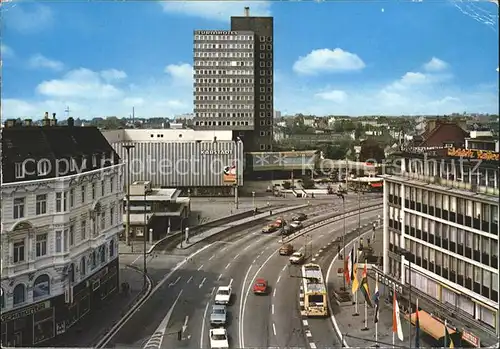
[260,286]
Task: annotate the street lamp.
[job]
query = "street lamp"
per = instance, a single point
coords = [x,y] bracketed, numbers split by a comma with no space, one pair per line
[407,255]
[127,230]
[253,200]
[145,270]
[238,144]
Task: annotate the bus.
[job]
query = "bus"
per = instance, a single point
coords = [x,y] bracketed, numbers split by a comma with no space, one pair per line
[315,295]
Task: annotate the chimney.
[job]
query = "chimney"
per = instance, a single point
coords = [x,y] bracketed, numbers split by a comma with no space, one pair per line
[46,115]
[28,122]
[71,122]
[53,121]
[247,11]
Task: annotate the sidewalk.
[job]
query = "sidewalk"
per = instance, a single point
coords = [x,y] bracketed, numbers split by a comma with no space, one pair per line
[204,235]
[88,331]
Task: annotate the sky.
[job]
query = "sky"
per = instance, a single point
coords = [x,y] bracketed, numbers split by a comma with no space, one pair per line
[331,58]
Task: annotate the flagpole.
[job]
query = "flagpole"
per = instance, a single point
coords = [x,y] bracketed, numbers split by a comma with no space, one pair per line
[393,332]
[445,329]
[376,310]
[366,309]
[355,261]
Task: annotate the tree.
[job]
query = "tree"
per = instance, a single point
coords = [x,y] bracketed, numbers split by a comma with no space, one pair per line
[371,150]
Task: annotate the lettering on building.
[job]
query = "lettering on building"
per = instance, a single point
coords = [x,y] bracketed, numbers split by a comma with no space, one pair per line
[474,154]
[216,152]
[216,32]
[25,312]
[470,338]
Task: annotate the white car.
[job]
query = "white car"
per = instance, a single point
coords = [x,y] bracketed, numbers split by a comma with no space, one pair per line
[218,338]
[296,225]
[297,258]
[223,295]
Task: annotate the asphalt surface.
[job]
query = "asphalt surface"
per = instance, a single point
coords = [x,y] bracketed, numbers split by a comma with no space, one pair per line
[236,260]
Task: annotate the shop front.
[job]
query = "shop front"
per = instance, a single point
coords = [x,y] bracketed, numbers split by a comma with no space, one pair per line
[38,323]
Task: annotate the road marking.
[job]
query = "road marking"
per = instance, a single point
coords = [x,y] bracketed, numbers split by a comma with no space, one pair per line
[305,323]
[312,345]
[223,249]
[189,280]
[274,293]
[284,267]
[213,291]
[246,248]
[272,309]
[279,278]
[231,282]
[201,266]
[185,325]
[320,236]
[236,256]
[175,282]
[254,261]
[227,266]
[274,329]
[135,260]
[220,277]
[313,260]
[316,255]
[211,258]
[203,326]
[202,282]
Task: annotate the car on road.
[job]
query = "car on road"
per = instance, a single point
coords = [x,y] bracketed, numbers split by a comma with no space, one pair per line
[280,222]
[260,286]
[286,250]
[223,295]
[299,217]
[270,228]
[218,338]
[297,258]
[296,225]
[218,317]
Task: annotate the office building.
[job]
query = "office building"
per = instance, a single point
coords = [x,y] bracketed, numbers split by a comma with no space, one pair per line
[441,216]
[61,217]
[200,163]
[233,80]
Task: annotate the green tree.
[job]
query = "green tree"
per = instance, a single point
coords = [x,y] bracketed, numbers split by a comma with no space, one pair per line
[371,150]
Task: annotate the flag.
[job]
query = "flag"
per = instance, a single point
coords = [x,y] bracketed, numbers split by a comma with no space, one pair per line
[364,287]
[350,264]
[354,262]
[376,298]
[447,338]
[417,328]
[396,319]
[347,274]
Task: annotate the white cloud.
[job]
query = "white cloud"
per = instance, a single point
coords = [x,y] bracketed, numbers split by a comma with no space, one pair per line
[113,74]
[435,65]
[336,96]
[181,73]
[39,61]
[6,52]
[28,18]
[102,93]
[215,10]
[328,61]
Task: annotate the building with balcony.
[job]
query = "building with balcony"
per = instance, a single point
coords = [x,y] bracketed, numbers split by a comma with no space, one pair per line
[482,140]
[443,214]
[155,211]
[61,208]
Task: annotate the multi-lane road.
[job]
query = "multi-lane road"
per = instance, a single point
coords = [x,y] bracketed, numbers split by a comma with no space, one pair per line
[254,321]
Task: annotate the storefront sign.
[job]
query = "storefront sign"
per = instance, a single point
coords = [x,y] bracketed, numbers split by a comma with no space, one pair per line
[25,312]
[470,338]
[216,152]
[229,175]
[216,32]
[474,154]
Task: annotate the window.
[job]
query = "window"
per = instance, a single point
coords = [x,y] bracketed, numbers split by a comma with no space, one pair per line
[18,208]
[71,198]
[59,241]
[59,202]
[111,249]
[103,220]
[65,240]
[82,189]
[112,216]
[41,287]
[19,251]
[71,235]
[19,295]
[83,266]
[41,204]
[41,245]
[262,38]
[103,187]
[83,229]
[112,184]
[93,191]
[262,147]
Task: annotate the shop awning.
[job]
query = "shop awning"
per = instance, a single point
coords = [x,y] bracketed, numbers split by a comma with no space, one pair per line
[430,325]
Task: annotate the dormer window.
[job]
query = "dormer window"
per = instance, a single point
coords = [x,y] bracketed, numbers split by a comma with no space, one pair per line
[94,161]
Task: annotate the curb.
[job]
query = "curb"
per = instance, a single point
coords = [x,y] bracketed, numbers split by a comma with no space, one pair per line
[106,338]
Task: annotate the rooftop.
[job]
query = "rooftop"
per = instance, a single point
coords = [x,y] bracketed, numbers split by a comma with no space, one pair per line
[165,135]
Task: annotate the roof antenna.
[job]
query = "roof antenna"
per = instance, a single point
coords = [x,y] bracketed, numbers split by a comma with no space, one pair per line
[66,111]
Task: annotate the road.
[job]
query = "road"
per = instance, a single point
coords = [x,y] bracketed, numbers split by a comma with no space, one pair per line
[217,263]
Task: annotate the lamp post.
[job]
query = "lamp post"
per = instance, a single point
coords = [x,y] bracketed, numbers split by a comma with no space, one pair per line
[238,144]
[144,266]
[407,255]
[343,239]
[253,200]
[127,230]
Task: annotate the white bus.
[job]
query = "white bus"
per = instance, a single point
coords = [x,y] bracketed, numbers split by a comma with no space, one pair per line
[315,295]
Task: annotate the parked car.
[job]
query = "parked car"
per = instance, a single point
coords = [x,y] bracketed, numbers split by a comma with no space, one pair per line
[270,228]
[286,250]
[218,317]
[297,258]
[260,286]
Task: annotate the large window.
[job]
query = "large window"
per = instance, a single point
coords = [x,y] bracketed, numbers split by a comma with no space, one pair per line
[59,242]
[41,204]
[41,245]
[41,287]
[19,294]
[19,208]
[19,251]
